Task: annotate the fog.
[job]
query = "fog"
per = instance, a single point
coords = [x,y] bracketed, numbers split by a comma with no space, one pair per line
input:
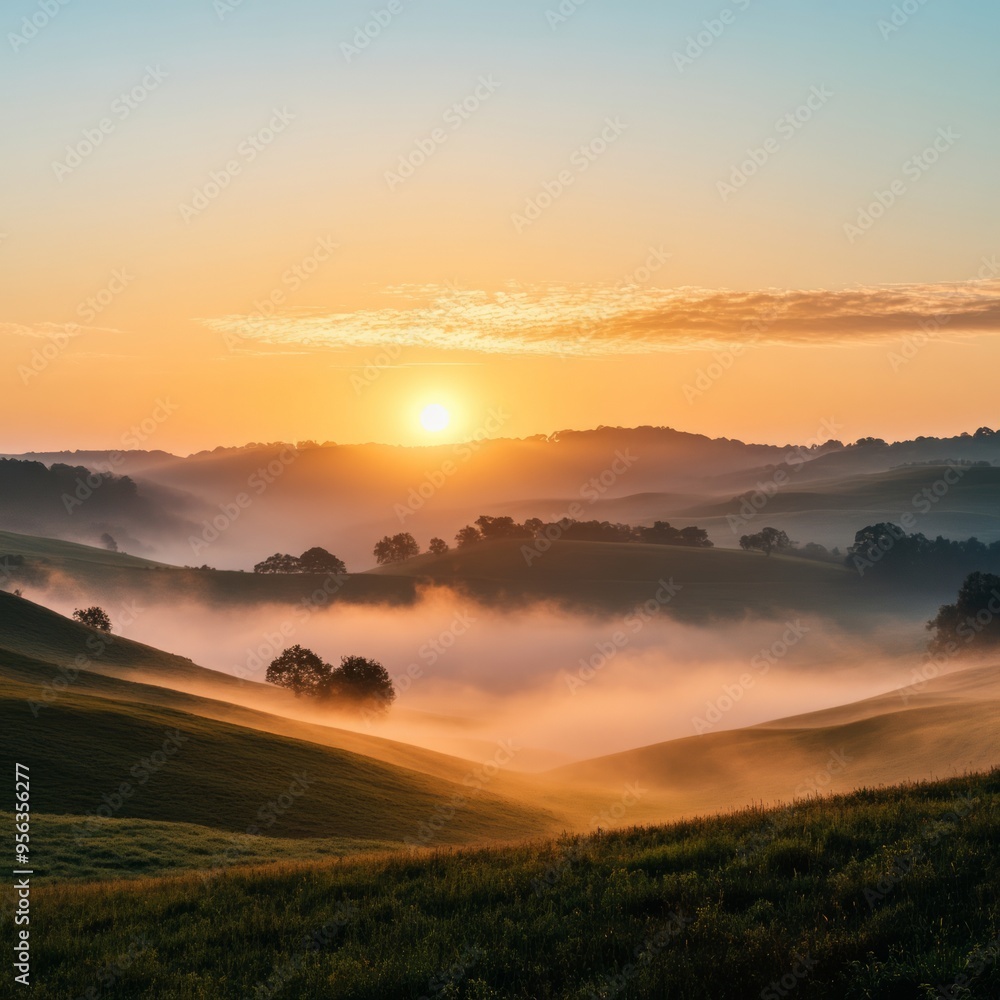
[560,686]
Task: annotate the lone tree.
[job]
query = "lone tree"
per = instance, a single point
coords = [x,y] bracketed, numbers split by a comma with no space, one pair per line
[301,671]
[318,560]
[437,547]
[973,621]
[766,540]
[396,548]
[314,560]
[365,683]
[94,617]
[109,542]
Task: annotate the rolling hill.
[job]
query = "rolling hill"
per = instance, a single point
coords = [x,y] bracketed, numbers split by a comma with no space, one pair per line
[946,727]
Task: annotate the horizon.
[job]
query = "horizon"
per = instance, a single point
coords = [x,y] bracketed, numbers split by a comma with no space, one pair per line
[732,229]
[812,444]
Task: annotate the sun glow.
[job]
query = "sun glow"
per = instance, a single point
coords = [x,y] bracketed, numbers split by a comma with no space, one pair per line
[434,418]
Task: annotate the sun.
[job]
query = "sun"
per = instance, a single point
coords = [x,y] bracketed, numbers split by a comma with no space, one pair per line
[434,418]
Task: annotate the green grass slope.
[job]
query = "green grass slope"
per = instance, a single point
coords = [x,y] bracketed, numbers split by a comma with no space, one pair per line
[179,767]
[889,894]
[597,576]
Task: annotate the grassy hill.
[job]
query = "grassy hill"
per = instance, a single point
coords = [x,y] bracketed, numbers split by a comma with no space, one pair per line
[825,509]
[594,576]
[947,728]
[888,893]
[220,775]
[618,576]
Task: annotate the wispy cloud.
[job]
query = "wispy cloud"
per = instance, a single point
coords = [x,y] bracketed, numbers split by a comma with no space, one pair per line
[595,321]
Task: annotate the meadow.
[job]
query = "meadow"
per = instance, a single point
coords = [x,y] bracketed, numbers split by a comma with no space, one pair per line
[889,893]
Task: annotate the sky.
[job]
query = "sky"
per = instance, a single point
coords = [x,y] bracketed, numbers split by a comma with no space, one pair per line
[311,221]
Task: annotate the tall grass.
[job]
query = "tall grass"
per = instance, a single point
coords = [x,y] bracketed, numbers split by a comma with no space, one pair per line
[891,893]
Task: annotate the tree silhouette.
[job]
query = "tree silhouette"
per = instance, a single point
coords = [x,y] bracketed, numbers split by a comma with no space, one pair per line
[468,536]
[973,621]
[766,540]
[437,547]
[279,563]
[364,682]
[396,548]
[301,671]
[318,560]
[94,617]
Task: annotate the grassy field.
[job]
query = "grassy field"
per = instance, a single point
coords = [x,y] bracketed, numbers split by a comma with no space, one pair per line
[598,577]
[181,767]
[144,848]
[891,893]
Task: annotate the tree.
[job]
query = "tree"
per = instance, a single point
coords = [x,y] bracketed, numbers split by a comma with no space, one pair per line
[109,543]
[279,563]
[363,682]
[301,671]
[974,618]
[94,617]
[396,548]
[437,547]
[318,560]
[501,527]
[766,540]
[468,536]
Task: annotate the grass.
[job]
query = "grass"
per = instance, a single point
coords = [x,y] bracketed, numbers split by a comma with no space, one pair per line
[888,893]
[595,576]
[141,848]
[220,775]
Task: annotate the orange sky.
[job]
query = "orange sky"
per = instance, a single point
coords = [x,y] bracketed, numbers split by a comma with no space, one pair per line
[290,242]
